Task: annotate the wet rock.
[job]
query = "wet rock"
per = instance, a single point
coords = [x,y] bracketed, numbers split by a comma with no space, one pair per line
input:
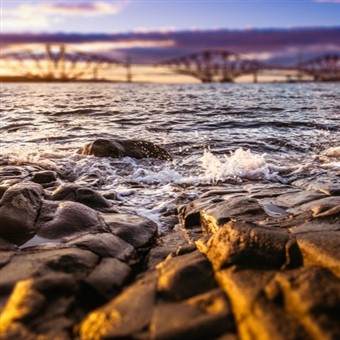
[19,208]
[239,208]
[122,148]
[86,196]
[109,275]
[290,200]
[247,244]
[6,245]
[125,316]
[43,177]
[104,245]
[184,276]
[202,317]
[31,264]
[322,249]
[321,184]
[68,219]
[136,230]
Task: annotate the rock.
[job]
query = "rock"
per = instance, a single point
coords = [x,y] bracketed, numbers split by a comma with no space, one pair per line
[125,316]
[321,248]
[43,177]
[30,264]
[104,245]
[290,200]
[136,230]
[246,244]
[312,295]
[258,315]
[202,317]
[5,257]
[108,276]
[7,183]
[86,196]
[122,148]
[239,208]
[30,300]
[321,184]
[19,208]
[68,219]
[184,276]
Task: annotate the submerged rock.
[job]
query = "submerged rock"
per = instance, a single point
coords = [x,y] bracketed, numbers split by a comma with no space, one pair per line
[122,148]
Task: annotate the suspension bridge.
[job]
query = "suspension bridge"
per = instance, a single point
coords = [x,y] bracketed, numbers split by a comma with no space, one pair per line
[53,62]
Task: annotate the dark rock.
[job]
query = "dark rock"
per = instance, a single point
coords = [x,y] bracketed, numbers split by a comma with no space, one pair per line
[31,264]
[108,275]
[125,316]
[136,230]
[43,177]
[184,276]
[322,184]
[104,245]
[19,208]
[7,183]
[68,219]
[290,200]
[86,196]
[247,244]
[122,148]
[6,245]
[201,317]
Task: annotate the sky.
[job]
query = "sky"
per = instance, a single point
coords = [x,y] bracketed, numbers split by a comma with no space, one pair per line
[149,31]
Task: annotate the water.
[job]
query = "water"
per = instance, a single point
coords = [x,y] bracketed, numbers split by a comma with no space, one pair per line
[216,133]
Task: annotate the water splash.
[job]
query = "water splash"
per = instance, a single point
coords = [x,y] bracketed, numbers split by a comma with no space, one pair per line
[241,164]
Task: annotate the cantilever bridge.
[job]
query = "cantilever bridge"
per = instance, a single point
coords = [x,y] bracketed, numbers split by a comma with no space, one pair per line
[225,66]
[58,62]
[55,62]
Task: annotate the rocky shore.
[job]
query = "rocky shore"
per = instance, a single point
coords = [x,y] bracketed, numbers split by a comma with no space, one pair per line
[243,261]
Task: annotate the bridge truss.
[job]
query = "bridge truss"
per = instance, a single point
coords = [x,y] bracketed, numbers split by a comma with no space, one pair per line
[55,62]
[324,68]
[214,66]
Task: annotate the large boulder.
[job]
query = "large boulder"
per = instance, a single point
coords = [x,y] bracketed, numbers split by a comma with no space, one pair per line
[19,208]
[122,148]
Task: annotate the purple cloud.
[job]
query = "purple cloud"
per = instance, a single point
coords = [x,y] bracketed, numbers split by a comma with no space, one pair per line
[276,45]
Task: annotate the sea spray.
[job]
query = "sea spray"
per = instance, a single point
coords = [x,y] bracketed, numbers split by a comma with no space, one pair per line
[240,164]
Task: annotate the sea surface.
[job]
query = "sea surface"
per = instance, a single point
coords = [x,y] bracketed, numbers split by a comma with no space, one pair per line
[216,133]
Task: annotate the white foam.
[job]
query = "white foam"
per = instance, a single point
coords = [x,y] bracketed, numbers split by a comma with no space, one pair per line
[332,152]
[241,164]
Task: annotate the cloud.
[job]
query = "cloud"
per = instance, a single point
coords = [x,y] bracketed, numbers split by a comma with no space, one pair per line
[329,1]
[279,46]
[45,14]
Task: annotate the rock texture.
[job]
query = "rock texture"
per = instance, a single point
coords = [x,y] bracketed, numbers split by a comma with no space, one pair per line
[122,148]
[257,261]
